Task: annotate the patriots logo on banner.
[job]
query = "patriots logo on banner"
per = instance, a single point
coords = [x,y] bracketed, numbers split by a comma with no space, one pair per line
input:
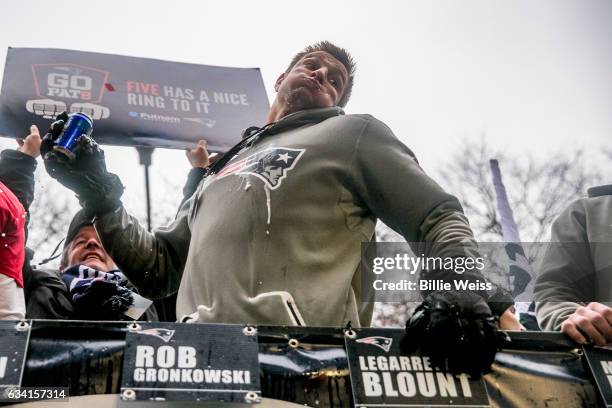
[69,81]
[378,341]
[519,268]
[163,334]
[270,165]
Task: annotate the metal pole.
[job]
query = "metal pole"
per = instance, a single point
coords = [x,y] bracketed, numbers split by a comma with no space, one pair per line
[145,155]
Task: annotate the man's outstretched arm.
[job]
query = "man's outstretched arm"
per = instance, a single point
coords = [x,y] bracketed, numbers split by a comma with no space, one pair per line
[565,287]
[396,189]
[17,167]
[456,328]
[152,261]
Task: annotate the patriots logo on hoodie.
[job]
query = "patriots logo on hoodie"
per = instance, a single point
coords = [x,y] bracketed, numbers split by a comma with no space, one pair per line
[270,165]
[378,341]
[163,334]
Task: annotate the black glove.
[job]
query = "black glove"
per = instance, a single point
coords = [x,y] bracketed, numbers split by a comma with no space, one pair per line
[456,330]
[98,190]
[55,130]
[102,300]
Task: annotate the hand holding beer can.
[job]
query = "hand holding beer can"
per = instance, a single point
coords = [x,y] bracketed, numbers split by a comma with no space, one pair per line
[79,124]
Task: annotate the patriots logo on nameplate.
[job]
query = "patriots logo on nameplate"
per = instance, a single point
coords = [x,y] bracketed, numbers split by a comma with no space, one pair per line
[163,334]
[378,341]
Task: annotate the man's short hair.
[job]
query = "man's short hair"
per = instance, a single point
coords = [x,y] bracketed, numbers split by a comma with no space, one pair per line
[340,54]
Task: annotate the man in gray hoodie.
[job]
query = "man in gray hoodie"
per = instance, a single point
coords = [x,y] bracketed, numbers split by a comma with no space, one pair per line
[273,234]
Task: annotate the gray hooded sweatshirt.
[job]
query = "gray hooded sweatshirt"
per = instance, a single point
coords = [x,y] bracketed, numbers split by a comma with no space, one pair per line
[275,236]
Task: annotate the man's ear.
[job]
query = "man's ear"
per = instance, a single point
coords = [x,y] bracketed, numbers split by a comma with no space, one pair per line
[279,81]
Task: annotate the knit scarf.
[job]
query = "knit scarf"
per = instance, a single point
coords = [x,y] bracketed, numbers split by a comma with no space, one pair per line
[98,295]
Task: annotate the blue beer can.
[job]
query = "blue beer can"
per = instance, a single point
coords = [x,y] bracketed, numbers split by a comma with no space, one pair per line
[79,124]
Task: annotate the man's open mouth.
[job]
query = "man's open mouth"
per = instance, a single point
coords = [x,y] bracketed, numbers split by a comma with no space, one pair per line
[93,256]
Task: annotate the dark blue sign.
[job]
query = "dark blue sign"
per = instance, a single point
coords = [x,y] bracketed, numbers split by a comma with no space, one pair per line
[133,101]
[191,362]
[14,336]
[599,361]
[384,375]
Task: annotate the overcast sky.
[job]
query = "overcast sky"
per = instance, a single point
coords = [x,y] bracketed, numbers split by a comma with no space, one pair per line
[531,75]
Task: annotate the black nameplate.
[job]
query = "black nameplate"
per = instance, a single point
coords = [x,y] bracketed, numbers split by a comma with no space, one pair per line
[599,360]
[14,336]
[381,375]
[191,362]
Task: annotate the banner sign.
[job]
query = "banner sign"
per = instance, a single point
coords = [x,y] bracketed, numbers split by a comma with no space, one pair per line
[599,360]
[133,101]
[519,268]
[14,336]
[197,362]
[383,375]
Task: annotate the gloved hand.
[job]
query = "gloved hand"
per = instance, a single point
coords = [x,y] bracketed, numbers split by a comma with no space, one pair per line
[98,190]
[55,130]
[456,330]
[102,300]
